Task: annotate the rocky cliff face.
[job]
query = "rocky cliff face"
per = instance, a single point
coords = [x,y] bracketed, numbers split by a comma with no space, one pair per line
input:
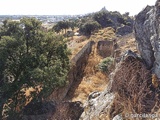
[147,29]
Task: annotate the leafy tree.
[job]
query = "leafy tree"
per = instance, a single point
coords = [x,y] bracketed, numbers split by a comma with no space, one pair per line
[56,28]
[121,20]
[89,27]
[72,25]
[61,25]
[9,28]
[29,57]
[103,19]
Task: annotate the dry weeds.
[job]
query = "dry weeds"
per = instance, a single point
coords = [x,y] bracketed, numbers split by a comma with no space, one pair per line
[103,34]
[132,82]
[92,80]
[76,45]
[127,42]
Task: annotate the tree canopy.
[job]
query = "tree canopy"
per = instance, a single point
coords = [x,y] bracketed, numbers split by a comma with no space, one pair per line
[29,57]
[89,27]
[61,25]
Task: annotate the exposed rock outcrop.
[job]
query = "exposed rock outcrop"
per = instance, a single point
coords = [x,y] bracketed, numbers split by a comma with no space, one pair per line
[98,105]
[147,33]
[124,30]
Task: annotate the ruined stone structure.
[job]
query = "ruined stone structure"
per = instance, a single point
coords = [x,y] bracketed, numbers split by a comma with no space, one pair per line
[78,64]
[105,48]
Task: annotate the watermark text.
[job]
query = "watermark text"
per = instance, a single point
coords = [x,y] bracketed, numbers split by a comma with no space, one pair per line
[143,115]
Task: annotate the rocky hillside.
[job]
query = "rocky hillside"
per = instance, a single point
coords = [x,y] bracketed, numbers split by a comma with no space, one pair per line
[131,90]
[122,23]
[89,80]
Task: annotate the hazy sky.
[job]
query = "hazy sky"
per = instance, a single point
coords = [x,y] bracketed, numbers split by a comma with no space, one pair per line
[70,7]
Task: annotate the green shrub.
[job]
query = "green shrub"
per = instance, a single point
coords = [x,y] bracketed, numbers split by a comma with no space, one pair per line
[105,64]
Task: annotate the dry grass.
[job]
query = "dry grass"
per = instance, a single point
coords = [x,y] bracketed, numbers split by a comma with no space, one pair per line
[17,104]
[103,34]
[92,80]
[134,88]
[76,45]
[90,84]
[28,92]
[127,42]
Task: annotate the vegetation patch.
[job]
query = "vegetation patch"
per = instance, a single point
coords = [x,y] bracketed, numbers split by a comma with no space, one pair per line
[105,64]
[29,57]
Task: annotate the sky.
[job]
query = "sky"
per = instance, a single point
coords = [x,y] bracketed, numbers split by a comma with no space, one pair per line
[70,7]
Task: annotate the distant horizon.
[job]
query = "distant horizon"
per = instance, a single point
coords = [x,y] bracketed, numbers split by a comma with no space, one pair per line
[70,7]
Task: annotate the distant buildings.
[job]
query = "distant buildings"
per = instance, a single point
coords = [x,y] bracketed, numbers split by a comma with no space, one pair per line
[46,19]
